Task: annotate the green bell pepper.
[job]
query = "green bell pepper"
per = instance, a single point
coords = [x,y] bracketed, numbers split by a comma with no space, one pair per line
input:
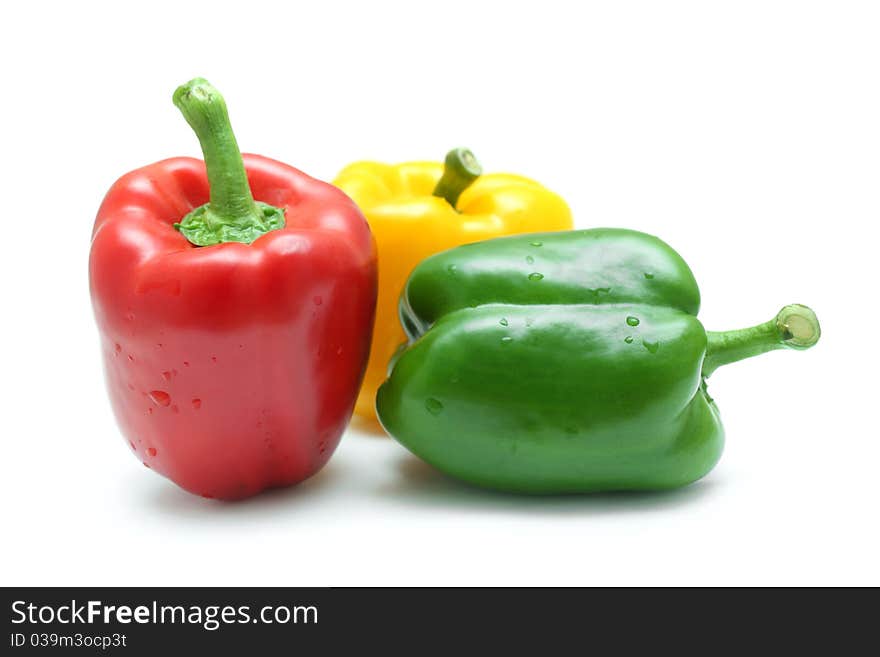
[565,362]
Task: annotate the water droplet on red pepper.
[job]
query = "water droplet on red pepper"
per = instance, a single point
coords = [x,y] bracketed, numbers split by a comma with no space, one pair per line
[160,397]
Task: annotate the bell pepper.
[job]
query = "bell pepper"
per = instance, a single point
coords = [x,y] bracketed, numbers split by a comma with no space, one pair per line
[566,362]
[417,209]
[234,332]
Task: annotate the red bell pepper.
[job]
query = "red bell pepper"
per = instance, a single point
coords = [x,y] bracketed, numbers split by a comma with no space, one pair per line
[234,333]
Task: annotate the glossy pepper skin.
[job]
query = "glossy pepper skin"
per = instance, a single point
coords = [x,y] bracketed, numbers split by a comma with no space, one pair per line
[565,362]
[417,209]
[233,367]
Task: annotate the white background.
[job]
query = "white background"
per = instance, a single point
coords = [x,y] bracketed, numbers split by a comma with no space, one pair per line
[746,134]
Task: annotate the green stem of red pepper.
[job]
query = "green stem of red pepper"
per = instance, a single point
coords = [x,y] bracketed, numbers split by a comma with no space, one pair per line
[231,215]
[460,170]
[794,327]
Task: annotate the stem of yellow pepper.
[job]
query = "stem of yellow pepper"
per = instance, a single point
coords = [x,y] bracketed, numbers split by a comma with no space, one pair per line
[460,170]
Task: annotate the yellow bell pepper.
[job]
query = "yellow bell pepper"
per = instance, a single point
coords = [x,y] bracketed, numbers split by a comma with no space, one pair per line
[417,209]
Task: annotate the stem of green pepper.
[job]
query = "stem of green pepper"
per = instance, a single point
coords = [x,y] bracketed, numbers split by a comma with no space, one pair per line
[231,215]
[460,170]
[794,327]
